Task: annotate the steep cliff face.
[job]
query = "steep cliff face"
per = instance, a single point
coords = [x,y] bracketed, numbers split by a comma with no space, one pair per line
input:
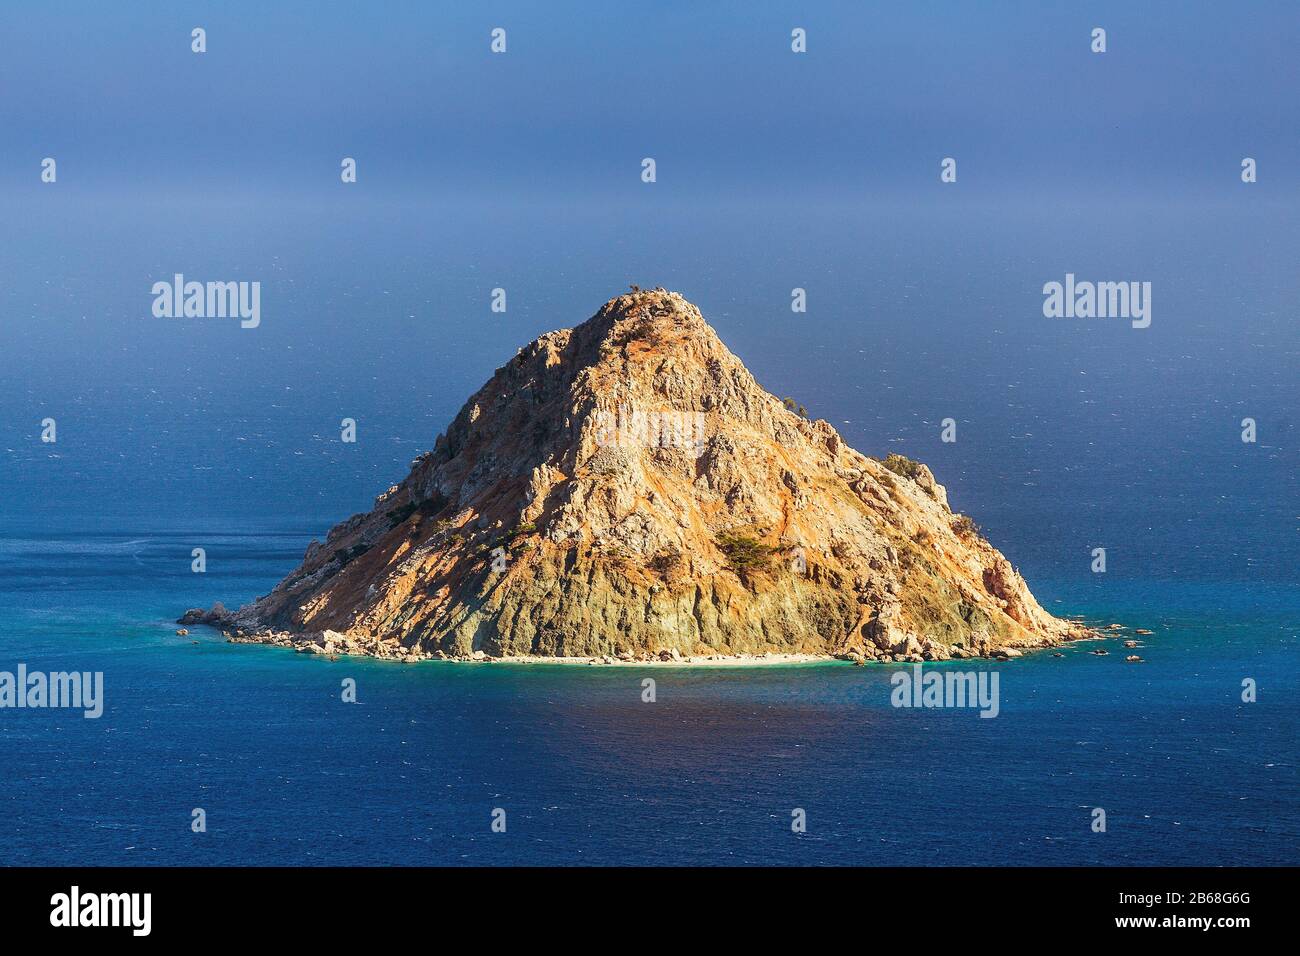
[626,487]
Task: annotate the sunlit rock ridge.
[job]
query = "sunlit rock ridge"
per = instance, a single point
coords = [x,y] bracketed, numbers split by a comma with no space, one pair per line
[625,489]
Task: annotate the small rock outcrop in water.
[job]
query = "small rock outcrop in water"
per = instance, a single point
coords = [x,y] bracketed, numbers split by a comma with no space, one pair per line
[625,489]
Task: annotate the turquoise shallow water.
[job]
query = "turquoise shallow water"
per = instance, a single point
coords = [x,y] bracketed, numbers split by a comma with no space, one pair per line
[588,773]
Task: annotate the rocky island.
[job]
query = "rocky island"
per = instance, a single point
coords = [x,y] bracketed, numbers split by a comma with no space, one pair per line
[626,491]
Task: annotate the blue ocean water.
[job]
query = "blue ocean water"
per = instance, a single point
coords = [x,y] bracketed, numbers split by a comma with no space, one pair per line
[175,435]
[587,773]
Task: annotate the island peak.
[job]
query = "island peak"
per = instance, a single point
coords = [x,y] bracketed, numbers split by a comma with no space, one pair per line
[625,490]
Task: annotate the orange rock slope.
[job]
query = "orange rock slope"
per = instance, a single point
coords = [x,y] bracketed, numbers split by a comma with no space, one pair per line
[625,488]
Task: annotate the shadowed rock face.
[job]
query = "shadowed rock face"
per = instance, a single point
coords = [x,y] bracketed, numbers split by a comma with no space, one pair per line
[627,487]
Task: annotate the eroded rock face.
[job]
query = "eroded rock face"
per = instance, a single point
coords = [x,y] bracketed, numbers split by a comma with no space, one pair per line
[626,488]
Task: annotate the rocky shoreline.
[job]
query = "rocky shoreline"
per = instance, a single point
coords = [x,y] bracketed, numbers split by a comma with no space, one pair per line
[334,644]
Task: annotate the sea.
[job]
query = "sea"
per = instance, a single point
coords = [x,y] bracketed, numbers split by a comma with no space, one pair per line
[1072,435]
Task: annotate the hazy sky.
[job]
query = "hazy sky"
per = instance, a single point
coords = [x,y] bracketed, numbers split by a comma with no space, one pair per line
[710,90]
[775,171]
